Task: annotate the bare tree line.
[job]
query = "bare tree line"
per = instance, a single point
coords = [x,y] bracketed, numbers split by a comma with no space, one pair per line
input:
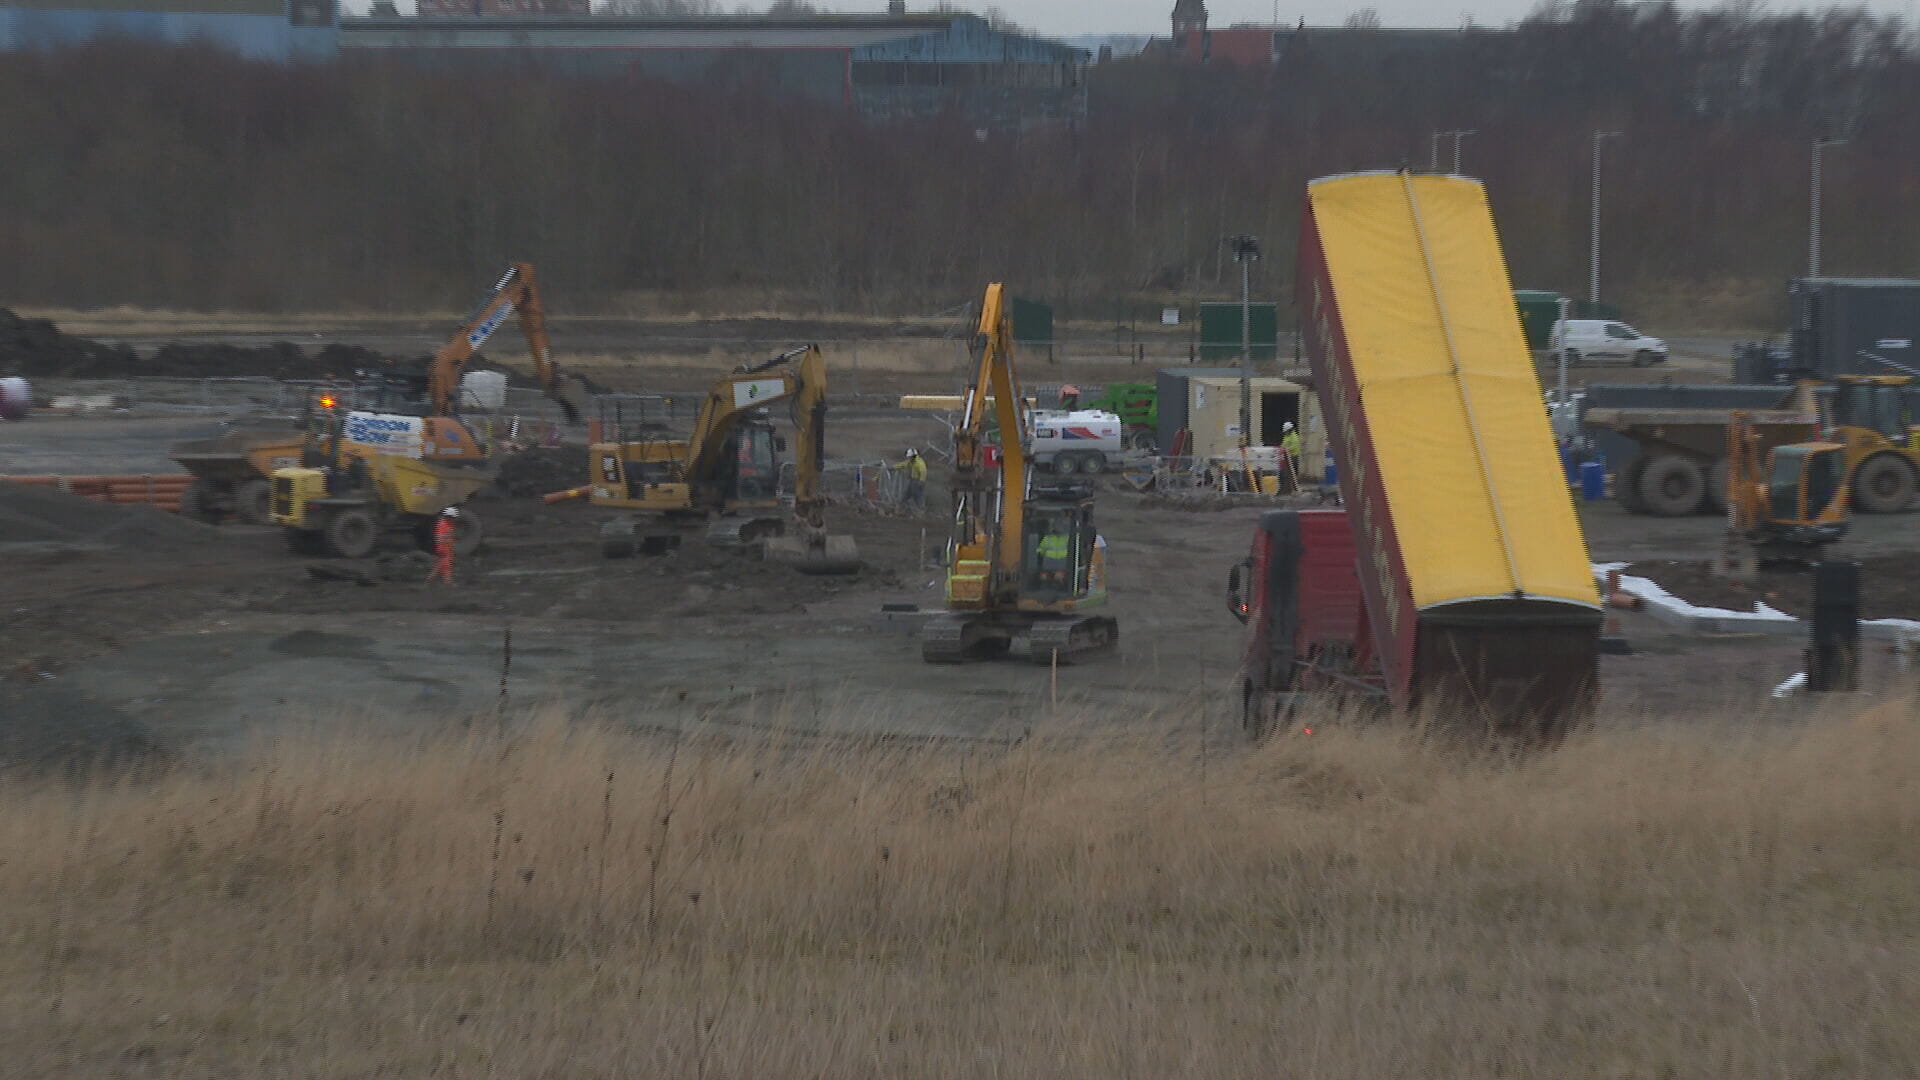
[183,178]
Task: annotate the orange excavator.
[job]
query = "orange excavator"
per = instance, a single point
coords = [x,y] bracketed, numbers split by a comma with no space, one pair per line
[415,410]
[402,454]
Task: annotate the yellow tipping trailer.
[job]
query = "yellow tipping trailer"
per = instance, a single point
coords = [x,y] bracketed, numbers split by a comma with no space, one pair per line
[1475,573]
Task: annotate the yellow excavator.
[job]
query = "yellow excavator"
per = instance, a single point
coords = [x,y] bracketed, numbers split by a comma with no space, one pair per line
[1788,513]
[397,452]
[1026,570]
[728,472]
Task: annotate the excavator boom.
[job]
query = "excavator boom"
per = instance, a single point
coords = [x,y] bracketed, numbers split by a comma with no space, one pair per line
[517,292]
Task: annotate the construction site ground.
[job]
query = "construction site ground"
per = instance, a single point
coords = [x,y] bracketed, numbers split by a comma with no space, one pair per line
[145,630]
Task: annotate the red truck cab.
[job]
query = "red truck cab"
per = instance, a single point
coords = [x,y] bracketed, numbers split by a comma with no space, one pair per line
[1299,596]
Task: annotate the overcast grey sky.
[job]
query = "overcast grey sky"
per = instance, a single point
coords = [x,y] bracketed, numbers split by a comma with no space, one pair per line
[1063,17]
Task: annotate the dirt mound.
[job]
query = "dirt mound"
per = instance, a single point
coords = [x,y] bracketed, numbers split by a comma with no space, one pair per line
[39,515]
[1887,587]
[36,347]
[543,469]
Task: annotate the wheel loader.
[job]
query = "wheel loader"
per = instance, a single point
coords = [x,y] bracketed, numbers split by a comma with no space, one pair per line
[727,473]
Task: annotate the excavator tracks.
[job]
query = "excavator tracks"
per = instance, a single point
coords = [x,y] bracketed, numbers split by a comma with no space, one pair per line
[1071,638]
[956,638]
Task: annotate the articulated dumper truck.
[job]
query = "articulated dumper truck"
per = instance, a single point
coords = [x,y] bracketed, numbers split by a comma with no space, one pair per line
[1456,578]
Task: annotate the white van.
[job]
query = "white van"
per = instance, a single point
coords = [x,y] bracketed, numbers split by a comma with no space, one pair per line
[1602,341]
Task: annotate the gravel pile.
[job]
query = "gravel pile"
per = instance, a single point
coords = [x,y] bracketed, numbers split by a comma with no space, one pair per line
[36,347]
[42,515]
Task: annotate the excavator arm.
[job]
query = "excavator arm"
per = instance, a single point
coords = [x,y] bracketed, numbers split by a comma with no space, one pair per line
[518,292]
[995,391]
[736,396]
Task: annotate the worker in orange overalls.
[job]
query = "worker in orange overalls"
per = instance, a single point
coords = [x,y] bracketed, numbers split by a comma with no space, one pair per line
[443,531]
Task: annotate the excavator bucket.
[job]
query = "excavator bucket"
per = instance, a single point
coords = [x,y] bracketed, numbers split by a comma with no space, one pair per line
[822,555]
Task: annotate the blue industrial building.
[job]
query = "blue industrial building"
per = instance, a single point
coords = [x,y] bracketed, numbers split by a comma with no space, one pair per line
[886,66]
[892,66]
[278,30]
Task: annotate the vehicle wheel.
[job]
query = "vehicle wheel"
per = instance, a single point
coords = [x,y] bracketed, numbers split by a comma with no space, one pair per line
[306,542]
[1626,485]
[1092,463]
[1671,486]
[1642,358]
[1717,485]
[466,533]
[1144,440]
[253,502]
[1883,485]
[197,501]
[1253,713]
[1573,357]
[351,534]
[1066,464]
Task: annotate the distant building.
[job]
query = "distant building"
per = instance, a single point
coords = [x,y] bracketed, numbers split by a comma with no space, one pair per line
[886,66]
[278,30]
[1251,46]
[506,7]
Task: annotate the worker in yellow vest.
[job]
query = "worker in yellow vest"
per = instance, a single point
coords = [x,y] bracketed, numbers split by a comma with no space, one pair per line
[1055,552]
[1290,446]
[915,467]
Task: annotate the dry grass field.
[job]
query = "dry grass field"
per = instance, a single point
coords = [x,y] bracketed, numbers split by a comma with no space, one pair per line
[1680,899]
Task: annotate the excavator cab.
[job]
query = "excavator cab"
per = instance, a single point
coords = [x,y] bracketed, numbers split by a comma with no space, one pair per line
[750,468]
[1807,493]
[1060,549]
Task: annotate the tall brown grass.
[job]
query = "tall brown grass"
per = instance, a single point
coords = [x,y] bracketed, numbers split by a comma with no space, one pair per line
[1666,900]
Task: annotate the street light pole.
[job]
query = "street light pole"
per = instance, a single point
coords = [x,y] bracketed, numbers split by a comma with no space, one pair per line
[1593,252]
[1246,252]
[1813,212]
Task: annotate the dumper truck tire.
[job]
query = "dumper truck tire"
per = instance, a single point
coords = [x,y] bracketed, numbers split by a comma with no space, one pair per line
[351,534]
[1883,484]
[1717,486]
[1671,486]
[1626,485]
[253,502]
[199,503]
[467,532]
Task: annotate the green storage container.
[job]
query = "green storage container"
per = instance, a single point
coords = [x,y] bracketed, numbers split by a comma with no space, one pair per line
[1539,310]
[1220,333]
[1032,322]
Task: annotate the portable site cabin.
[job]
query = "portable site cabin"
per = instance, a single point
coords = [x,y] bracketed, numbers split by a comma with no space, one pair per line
[1205,402]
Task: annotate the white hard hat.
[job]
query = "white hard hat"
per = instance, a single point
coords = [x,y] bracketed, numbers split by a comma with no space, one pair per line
[451,511]
[911,452]
[1287,426]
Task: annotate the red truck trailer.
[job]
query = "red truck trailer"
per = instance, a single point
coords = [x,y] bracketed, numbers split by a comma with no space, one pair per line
[1477,595]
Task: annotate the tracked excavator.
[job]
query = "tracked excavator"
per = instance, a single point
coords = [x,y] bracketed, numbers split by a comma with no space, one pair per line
[728,472]
[397,452]
[1026,571]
